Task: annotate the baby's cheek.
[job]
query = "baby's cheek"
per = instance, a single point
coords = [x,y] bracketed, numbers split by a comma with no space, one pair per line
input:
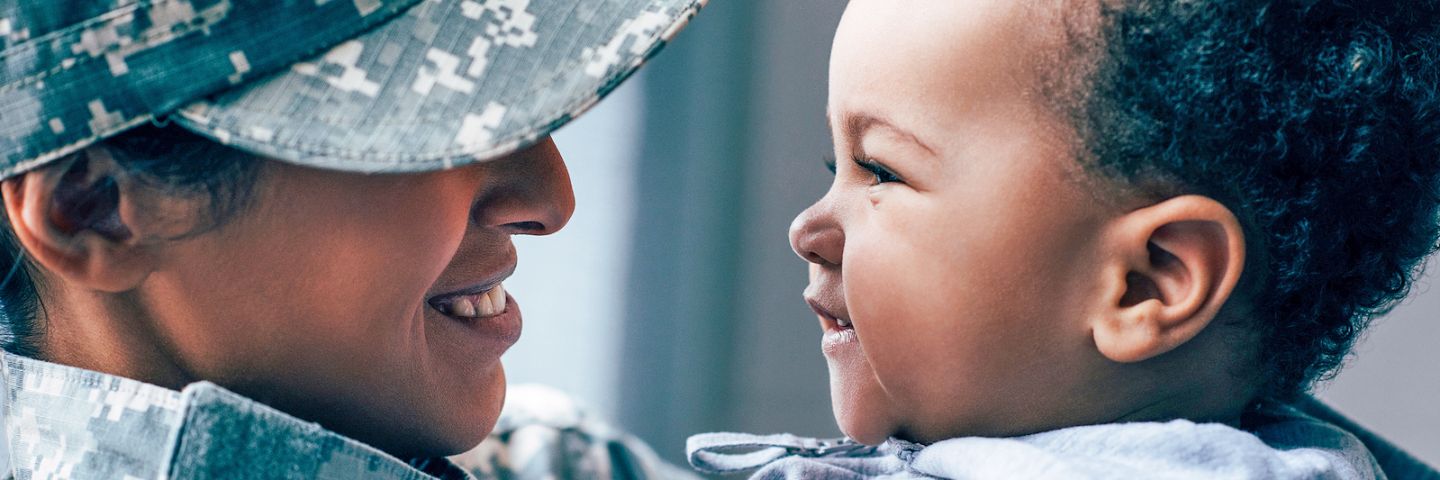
[914,307]
[890,304]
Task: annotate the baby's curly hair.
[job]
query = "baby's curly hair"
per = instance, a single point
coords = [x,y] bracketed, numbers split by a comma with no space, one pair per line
[1316,121]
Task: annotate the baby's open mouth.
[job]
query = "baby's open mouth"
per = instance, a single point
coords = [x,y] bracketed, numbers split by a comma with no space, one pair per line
[831,321]
[840,336]
[488,302]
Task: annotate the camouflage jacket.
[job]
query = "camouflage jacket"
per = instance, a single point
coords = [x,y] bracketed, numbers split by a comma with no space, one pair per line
[66,422]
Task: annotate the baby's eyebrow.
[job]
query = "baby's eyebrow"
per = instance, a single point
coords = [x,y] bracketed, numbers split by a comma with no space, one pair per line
[858,123]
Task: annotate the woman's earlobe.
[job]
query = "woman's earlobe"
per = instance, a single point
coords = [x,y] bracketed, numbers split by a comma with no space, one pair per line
[1172,267]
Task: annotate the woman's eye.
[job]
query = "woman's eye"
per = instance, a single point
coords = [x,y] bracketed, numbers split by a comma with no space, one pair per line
[830,164]
[881,174]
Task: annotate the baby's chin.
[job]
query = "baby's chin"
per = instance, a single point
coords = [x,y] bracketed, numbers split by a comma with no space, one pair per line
[860,405]
[866,430]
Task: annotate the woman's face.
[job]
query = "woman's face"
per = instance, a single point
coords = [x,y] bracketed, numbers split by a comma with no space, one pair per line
[953,241]
[371,304]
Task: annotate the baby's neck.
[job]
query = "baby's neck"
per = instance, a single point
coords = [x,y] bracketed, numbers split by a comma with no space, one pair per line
[1199,405]
[1204,380]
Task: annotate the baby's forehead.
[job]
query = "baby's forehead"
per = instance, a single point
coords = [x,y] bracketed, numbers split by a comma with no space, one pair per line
[968,39]
[935,67]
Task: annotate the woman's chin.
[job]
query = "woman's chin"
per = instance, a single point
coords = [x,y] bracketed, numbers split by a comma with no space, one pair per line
[455,439]
[460,421]
[475,420]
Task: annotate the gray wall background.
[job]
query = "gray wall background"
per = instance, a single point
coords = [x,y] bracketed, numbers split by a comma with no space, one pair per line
[698,323]
[1392,382]
[717,337]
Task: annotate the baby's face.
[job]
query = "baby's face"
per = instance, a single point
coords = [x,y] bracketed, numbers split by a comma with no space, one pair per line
[953,239]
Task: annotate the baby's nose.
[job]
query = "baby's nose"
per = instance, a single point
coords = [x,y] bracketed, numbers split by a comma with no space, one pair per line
[816,236]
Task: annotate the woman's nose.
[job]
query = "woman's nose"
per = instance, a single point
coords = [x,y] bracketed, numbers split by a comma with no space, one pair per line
[530,192]
[816,236]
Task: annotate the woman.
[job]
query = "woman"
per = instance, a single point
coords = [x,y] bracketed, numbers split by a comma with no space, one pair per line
[327,244]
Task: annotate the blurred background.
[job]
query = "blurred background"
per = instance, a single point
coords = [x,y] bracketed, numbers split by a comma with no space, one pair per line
[671,304]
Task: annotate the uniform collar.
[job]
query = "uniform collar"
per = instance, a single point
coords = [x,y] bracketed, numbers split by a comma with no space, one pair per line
[69,422]
[63,421]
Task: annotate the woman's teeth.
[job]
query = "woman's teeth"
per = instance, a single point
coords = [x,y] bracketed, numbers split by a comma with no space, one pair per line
[843,322]
[486,304]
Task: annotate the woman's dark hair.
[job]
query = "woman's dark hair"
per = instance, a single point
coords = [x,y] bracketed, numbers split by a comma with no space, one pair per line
[1316,121]
[167,158]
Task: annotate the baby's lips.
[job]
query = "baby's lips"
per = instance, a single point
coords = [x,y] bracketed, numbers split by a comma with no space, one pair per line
[827,299]
[836,316]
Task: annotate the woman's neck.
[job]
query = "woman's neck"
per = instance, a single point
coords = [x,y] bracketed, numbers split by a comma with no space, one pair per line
[108,333]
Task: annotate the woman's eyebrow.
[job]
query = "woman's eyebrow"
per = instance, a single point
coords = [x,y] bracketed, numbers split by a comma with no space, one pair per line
[857,124]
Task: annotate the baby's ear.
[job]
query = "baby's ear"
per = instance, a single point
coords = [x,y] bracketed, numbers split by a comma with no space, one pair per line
[68,216]
[1167,270]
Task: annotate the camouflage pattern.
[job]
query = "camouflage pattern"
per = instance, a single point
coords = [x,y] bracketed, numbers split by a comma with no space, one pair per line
[226,436]
[544,434]
[445,83]
[74,71]
[66,422]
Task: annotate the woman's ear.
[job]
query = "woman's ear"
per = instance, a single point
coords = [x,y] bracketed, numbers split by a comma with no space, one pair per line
[1168,270]
[68,217]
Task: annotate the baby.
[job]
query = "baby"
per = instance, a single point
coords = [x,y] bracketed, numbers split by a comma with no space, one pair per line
[1109,238]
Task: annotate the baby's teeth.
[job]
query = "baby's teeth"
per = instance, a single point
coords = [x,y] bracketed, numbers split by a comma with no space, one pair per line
[462,307]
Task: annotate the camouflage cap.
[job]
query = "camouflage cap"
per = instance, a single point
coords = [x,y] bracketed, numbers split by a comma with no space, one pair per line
[401,85]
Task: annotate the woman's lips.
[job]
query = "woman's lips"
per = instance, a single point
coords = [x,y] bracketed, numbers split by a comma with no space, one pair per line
[486,303]
[491,315]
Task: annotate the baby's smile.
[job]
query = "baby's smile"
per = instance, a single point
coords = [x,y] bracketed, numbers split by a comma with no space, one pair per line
[839,332]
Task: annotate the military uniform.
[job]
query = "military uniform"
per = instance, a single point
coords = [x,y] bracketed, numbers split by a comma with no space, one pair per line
[67,422]
[351,85]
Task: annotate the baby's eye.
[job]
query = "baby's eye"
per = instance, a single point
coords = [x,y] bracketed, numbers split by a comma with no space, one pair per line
[830,164]
[882,174]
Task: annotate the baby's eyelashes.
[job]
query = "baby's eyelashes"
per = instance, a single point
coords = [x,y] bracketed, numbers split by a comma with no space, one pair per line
[881,174]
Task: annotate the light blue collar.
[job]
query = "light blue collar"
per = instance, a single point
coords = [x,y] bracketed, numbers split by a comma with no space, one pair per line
[67,422]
